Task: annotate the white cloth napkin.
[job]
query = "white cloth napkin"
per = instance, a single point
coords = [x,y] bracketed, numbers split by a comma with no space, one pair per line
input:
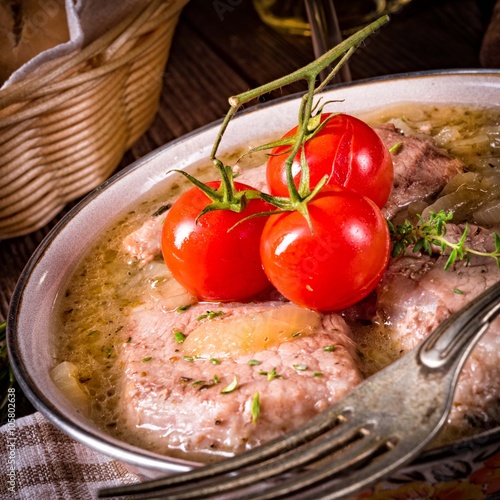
[87,20]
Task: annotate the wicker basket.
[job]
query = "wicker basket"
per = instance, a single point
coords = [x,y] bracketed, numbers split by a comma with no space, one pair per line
[64,129]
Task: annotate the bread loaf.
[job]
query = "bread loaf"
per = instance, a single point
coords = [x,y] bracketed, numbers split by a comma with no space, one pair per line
[27,28]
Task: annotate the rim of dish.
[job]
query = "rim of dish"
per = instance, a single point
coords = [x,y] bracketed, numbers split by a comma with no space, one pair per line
[135,455]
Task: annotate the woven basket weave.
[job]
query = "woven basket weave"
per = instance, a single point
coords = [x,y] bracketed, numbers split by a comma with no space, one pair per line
[64,129]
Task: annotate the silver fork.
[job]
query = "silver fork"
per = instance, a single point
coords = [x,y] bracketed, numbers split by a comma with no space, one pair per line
[325,34]
[377,428]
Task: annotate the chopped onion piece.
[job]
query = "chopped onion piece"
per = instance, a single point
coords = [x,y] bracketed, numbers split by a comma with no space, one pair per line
[403,126]
[482,163]
[466,146]
[65,376]
[173,295]
[488,214]
[461,180]
[446,135]
[462,203]
[253,332]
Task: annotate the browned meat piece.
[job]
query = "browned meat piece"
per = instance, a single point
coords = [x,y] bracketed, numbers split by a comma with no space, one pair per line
[420,168]
[174,400]
[417,294]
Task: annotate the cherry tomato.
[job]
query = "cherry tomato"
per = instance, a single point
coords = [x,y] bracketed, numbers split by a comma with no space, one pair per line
[337,264]
[347,150]
[207,259]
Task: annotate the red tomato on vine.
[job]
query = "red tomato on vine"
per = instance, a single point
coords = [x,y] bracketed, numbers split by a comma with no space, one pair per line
[336,264]
[347,150]
[210,256]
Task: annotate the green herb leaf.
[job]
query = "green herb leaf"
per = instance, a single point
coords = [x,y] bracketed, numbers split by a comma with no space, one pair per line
[432,232]
[254,362]
[145,360]
[329,348]
[210,315]
[451,259]
[272,375]
[396,148]
[255,408]
[231,387]
[179,336]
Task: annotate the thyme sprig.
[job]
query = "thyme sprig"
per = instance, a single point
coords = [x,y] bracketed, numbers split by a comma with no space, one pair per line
[432,232]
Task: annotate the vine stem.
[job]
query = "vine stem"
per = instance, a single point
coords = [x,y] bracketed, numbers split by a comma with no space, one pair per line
[226,197]
[310,72]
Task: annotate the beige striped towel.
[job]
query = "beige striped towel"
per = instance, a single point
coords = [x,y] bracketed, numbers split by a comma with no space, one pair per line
[37,461]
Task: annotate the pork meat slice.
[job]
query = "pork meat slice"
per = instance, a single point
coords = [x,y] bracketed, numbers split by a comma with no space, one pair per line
[144,244]
[173,401]
[416,294]
[421,169]
[254,177]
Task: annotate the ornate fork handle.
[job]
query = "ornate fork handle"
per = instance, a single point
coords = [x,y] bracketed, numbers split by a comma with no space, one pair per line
[452,341]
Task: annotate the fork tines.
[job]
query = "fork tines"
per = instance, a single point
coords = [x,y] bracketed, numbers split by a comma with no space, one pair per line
[328,434]
[377,428]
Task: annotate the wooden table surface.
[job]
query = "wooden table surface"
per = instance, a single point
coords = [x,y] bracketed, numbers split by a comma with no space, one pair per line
[222,48]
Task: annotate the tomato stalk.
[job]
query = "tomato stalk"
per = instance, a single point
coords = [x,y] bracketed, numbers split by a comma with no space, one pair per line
[309,72]
[226,197]
[298,197]
[216,258]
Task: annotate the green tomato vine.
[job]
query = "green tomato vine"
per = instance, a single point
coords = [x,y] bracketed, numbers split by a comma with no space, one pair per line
[422,236]
[226,197]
